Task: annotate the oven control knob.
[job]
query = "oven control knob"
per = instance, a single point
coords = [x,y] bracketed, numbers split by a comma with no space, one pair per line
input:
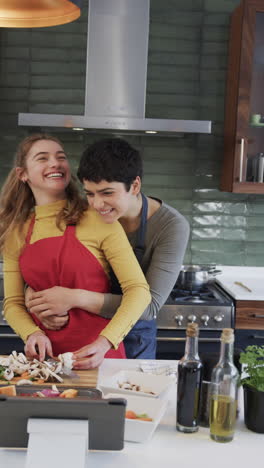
[218,318]
[191,318]
[179,319]
[205,319]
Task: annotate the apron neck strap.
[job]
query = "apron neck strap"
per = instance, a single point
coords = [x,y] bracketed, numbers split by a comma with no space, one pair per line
[30,229]
[140,243]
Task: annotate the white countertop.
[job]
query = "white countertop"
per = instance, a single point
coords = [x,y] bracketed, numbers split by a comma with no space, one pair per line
[252,277]
[167,446]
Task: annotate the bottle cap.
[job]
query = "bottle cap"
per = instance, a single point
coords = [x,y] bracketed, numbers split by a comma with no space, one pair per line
[192,329]
[227,335]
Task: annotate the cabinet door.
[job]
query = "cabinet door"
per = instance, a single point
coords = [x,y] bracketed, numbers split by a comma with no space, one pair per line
[249,315]
[243,165]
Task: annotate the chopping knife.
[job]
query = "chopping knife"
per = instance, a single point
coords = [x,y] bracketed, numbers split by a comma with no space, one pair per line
[64,370]
[242,285]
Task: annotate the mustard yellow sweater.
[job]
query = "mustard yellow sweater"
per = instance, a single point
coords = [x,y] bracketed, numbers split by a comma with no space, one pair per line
[107,242]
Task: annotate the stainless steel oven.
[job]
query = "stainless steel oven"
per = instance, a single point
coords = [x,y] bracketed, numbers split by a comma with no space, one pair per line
[212,308]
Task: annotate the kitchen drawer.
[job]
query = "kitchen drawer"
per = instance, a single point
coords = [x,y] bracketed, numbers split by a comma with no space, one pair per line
[249,315]
[244,338]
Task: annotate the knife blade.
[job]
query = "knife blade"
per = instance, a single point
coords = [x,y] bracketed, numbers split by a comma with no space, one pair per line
[64,370]
[242,285]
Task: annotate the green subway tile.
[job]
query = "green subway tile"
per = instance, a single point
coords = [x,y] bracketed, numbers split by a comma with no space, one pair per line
[167,167]
[215,34]
[57,68]
[10,94]
[14,80]
[172,181]
[58,82]
[165,112]
[226,6]
[50,108]
[160,30]
[15,37]
[219,258]
[174,5]
[179,46]
[187,87]
[15,52]
[58,54]
[218,233]
[167,193]
[256,207]
[216,207]
[219,220]
[173,72]
[217,48]
[166,58]
[213,61]
[176,100]
[50,39]
[255,222]
[219,19]
[255,235]
[254,260]
[15,66]
[57,96]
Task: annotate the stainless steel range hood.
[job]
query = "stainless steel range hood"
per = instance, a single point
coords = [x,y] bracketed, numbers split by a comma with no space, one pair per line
[116,75]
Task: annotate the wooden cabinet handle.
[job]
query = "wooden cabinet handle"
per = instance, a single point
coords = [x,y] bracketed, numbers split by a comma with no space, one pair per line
[257,315]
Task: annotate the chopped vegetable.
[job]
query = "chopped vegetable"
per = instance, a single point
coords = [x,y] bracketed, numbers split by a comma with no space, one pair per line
[132,415]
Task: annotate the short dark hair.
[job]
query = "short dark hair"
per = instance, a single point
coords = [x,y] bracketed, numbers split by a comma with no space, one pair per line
[111,159]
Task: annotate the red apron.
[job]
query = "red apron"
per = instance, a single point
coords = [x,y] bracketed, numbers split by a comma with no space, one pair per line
[65,261]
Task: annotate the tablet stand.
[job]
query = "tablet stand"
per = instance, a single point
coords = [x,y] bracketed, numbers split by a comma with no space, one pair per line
[57,442]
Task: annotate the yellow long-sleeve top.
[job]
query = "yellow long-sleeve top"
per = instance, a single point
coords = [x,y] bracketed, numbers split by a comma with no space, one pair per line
[107,242]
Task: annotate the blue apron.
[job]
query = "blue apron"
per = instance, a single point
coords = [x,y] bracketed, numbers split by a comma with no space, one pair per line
[140,343]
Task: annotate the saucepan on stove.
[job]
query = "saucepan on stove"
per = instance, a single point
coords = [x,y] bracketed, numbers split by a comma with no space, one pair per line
[195,277]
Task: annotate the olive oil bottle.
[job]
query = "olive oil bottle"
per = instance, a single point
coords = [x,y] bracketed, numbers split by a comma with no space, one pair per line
[189,383]
[223,392]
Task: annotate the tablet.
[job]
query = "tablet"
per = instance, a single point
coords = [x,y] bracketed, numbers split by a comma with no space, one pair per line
[106,416]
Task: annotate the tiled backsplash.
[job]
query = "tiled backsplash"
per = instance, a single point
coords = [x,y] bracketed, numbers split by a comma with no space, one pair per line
[43,70]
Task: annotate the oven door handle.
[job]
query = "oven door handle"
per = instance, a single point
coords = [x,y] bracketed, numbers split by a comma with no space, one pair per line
[8,335]
[257,337]
[201,340]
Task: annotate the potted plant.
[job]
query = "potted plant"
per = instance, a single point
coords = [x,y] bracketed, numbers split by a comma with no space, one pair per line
[253,385]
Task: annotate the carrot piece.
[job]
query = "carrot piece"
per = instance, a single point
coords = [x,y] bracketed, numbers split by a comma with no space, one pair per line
[70,393]
[131,414]
[144,419]
[40,381]
[24,375]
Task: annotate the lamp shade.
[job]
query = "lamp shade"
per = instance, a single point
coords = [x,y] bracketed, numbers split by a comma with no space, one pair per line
[38,13]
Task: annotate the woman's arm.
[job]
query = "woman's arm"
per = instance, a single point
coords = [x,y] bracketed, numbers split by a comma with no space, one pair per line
[164,257]
[113,241]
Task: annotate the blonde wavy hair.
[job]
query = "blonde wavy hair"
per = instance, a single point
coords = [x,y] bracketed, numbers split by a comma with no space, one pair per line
[17,200]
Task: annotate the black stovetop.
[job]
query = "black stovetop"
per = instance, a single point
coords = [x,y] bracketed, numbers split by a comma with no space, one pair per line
[210,294]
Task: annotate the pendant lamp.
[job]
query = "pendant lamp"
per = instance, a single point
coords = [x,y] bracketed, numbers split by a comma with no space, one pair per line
[38,13]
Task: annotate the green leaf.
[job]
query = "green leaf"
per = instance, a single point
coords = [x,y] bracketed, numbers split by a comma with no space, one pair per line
[253,360]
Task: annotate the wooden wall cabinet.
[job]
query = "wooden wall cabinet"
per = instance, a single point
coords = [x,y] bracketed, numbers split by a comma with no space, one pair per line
[249,315]
[243,164]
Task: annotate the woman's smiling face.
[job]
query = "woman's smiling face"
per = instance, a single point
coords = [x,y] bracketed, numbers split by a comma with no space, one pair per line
[47,171]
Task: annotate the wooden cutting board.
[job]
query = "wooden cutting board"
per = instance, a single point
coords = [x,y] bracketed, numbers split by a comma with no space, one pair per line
[88,379]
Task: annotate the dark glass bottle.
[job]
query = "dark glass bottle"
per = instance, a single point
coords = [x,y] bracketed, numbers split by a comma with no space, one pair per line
[190,371]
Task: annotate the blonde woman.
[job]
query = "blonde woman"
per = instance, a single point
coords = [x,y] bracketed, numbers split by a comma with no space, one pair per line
[50,238]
